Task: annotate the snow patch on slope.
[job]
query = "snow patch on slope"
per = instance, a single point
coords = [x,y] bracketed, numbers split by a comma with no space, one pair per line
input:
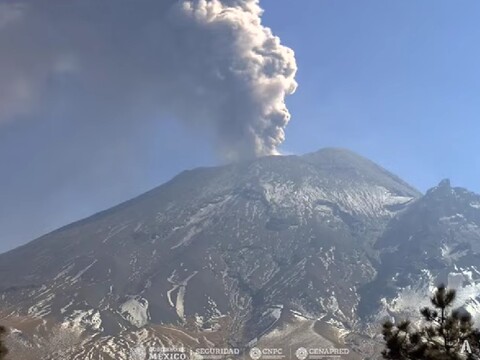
[84,319]
[135,311]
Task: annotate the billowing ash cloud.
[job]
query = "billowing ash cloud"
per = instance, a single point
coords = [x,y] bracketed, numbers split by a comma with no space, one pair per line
[209,63]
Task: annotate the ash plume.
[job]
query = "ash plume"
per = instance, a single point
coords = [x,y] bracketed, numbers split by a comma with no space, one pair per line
[208,63]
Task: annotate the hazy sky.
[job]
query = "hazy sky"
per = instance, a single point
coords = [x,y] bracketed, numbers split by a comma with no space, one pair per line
[396,81]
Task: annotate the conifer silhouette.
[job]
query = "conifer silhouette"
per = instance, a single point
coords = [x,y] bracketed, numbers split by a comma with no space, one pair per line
[445,334]
[3,349]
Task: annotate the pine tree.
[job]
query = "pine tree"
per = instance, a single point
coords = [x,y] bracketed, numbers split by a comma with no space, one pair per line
[3,349]
[445,334]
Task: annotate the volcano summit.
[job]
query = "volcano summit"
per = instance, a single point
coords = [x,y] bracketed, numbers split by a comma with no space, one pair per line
[309,250]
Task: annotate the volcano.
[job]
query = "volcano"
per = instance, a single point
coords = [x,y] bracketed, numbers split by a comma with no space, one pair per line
[281,251]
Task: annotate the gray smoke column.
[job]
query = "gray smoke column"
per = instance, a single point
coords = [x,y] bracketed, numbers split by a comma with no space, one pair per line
[208,63]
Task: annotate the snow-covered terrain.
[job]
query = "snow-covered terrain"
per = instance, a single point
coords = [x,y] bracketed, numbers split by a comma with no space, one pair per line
[297,249]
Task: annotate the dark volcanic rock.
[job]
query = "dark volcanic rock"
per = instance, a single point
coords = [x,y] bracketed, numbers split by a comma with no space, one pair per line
[313,235]
[435,240]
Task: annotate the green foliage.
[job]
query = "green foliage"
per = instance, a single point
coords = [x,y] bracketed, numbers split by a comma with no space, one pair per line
[3,349]
[442,335]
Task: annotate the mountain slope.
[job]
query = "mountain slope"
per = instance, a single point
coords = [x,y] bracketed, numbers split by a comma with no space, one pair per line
[234,250]
[436,240]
